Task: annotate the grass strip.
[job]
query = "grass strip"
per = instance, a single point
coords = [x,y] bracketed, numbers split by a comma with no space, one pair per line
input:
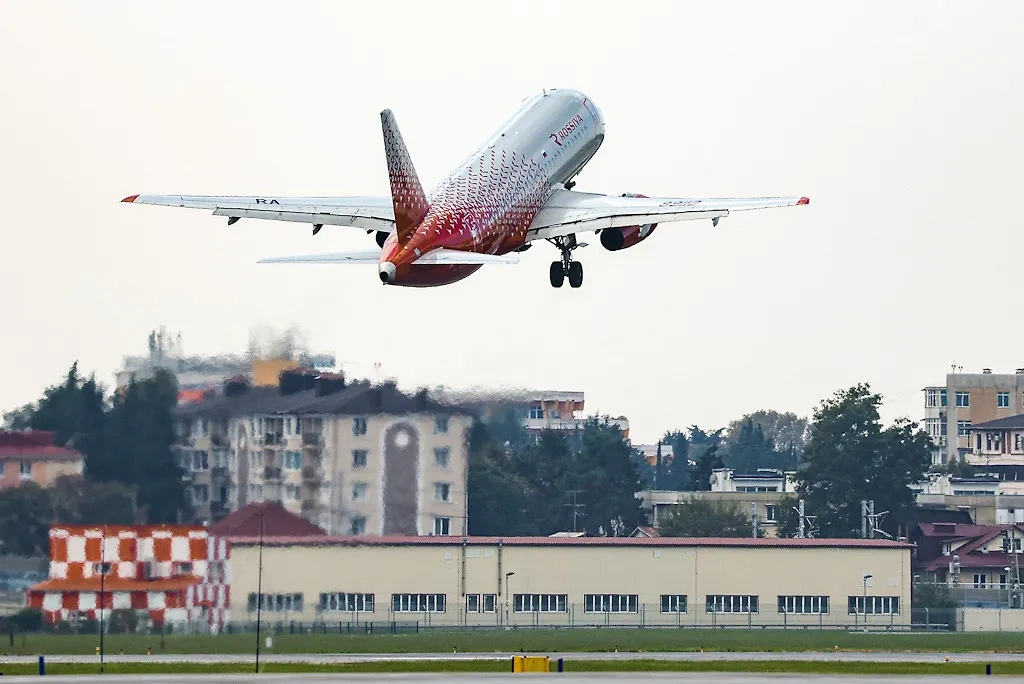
[504,665]
[525,640]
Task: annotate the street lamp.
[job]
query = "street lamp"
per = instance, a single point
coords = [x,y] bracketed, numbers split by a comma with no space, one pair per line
[1006,585]
[508,599]
[866,578]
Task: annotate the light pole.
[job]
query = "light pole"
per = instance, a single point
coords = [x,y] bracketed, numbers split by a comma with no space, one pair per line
[1006,585]
[508,599]
[866,578]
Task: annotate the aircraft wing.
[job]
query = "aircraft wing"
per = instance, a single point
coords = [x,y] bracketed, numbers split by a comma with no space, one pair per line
[372,256]
[369,213]
[568,212]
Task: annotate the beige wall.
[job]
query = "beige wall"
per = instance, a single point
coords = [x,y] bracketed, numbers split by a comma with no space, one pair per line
[573,570]
[991,620]
[328,474]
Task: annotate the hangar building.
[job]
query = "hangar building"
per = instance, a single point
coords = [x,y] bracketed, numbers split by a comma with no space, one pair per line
[488,581]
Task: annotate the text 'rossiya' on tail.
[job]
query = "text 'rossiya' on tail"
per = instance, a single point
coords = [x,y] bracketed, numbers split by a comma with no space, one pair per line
[407,194]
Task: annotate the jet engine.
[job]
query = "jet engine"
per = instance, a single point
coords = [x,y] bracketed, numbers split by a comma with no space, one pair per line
[614,239]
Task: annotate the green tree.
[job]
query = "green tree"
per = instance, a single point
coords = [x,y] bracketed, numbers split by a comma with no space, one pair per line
[78,500]
[605,469]
[497,495]
[787,432]
[708,462]
[140,454]
[699,517]
[787,517]
[75,411]
[676,470]
[750,449]
[26,512]
[850,457]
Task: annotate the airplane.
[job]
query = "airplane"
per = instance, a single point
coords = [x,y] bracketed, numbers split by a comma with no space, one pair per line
[512,191]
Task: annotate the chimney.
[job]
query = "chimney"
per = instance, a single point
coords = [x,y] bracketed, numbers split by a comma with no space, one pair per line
[1020,371]
[986,371]
[329,383]
[292,381]
[236,386]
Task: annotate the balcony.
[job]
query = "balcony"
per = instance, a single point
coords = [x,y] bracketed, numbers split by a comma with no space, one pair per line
[219,439]
[312,439]
[219,473]
[313,473]
[273,438]
[272,473]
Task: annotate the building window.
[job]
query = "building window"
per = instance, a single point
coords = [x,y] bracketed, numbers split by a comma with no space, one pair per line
[359,491]
[359,458]
[200,461]
[293,492]
[358,525]
[278,603]
[730,603]
[540,603]
[490,603]
[979,580]
[472,603]
[610,603]
[877,605]
[442,491]
[25,470]
[1018,442]
[442,525]
[440,425]
[673,603]
[769,513]
[417,603]
[293,460]
[442,457]
[935,398]
[992,441]
[963,399]
[1003,400]
[1014,542]
[963,428]
[536,412]
[803,605]
[101,569]
[359,426]
[346,603]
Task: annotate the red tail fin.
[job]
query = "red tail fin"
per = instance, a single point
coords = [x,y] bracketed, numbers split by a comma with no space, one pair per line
[410,202]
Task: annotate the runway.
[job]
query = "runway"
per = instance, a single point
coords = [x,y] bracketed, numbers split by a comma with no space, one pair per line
[707,656]
[564,678]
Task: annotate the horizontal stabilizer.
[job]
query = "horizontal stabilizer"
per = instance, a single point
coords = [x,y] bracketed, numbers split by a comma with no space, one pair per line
[455,256]
[365,256]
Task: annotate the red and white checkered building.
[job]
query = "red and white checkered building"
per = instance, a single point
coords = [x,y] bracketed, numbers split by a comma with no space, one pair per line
[176,573]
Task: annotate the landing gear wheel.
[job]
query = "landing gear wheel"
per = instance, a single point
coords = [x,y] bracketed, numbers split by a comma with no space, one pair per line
[575,274]
[557,274]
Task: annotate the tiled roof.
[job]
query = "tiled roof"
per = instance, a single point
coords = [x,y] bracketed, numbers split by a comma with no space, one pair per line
[739,542]
[277,521]
[117,584]
[33,445]
[1001,423]
[354,399]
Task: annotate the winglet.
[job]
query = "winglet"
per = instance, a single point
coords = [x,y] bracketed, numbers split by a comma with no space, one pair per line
[407,194]
[132,198]
[804,200]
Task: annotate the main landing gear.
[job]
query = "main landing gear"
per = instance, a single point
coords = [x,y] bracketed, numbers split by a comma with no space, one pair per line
[566,267]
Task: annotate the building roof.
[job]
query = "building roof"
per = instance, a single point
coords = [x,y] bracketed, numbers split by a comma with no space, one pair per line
[738,542]
[1010,422]
[277,521]
[354,399]
[117,584]
[974,537]
[33,445]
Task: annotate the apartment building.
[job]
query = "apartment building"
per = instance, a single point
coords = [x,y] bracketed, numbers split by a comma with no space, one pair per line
[352,458]
[967,399]
[539,410]
[32,456]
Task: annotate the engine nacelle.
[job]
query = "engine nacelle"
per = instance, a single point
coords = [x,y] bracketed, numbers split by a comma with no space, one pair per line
[614,239]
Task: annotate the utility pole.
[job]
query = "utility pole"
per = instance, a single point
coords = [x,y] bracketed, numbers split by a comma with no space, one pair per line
[863,519]
[259,596]
[800,512]
[753,518]
[575,506]
[103,578]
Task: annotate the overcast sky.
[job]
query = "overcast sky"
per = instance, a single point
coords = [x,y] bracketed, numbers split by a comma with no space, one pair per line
[901,122]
